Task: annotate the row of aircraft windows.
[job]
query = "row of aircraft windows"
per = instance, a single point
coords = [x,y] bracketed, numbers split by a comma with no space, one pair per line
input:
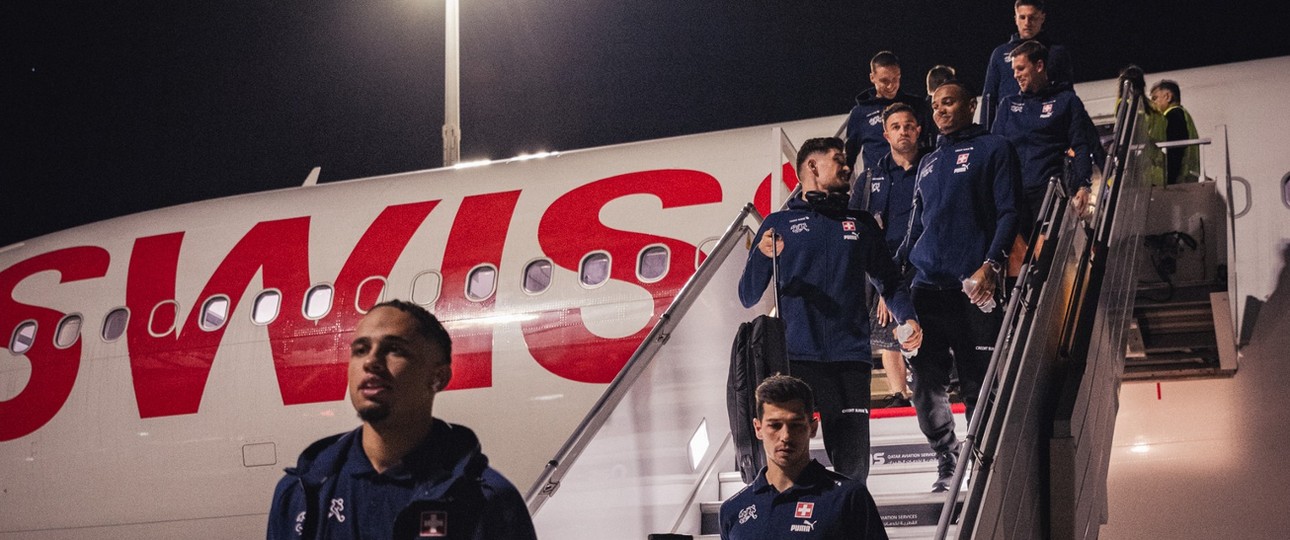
[481,284]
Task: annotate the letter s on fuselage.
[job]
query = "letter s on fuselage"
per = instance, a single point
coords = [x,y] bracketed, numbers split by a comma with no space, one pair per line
[170,367]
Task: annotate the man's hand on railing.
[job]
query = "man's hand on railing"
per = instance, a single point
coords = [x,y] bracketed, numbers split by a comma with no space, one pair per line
[771,243]
[1081,202]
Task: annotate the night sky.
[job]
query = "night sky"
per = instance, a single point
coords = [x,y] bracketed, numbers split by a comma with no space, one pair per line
[112,108]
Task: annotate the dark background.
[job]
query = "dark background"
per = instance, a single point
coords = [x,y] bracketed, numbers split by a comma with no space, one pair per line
[111,108]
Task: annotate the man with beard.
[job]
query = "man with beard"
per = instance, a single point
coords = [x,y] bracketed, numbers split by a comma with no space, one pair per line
[403,473]
[825,251]
[888,187]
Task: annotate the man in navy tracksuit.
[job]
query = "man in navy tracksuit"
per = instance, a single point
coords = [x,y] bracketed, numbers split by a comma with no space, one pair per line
[403,473]
[864,125]
[825,251]
[794,496]
[962,227]
[889,189]
[999,83]
[1042,122]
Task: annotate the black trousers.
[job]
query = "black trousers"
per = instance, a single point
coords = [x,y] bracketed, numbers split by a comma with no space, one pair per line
[956,335]
[842,398]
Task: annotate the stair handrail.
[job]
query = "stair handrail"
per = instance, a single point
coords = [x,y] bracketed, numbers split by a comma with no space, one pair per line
[549,480]
[990,403]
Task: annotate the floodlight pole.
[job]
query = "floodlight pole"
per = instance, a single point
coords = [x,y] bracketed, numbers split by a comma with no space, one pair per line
[452,84]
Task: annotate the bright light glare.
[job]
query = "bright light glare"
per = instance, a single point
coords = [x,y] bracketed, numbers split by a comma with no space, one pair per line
[1140,448]
[470,164]
[699,444]
[537,155]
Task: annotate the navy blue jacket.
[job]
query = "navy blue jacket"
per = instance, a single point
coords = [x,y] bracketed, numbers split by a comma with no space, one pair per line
[965,208]
[1041,126]
[821,271]
[999,82]
[456,493]
[890,190]
[864,126]
[821,505]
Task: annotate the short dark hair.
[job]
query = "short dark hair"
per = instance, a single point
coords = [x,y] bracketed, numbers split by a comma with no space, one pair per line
[968,92]
[896,108]
[427,324]
[1033,50]
[821,144]
[938,75]
[1166,84]
[1037,4]
[783,389]
[884,59]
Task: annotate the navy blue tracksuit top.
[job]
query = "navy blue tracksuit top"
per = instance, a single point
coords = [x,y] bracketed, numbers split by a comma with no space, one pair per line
[864,126]
[890,190]
[821,272]
[965,208]
[1041,126]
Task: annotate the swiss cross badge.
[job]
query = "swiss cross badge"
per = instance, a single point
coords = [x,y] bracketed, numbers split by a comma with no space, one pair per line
[1048,108]
[434,524]
[804,510]
[848,225]
[962,159]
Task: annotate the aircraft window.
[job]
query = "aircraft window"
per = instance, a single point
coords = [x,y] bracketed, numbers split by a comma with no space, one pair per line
[214,313]
[69,330]
[162,319]
[23,336]
[317,301]
[595,269]
[537,276]
[481,282]
[652,264]
[266,306]
[1285,190]
[114,324]
[370,292]
[425,288]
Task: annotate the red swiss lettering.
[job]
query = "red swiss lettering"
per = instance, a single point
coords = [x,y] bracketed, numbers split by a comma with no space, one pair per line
[53,370]
[477,237]
[761,199]
[309,356]
[570,228]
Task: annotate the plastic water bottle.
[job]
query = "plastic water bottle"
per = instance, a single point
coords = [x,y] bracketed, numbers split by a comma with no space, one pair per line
[902,333]
[969,287]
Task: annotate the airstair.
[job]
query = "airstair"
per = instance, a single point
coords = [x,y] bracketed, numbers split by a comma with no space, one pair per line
[655,456]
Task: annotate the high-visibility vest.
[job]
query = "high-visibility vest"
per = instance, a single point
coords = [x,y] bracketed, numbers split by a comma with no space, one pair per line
[1191,154]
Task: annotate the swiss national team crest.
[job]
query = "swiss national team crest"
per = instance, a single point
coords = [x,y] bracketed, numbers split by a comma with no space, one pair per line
[804,510]
[962,159]
[1047,110]
[434,524]
[848,225]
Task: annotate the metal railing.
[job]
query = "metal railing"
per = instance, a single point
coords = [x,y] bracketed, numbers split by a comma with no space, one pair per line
[1043,348]
[549,481]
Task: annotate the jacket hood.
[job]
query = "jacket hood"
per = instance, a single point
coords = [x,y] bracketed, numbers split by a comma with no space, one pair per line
[973,130]
[453,444]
